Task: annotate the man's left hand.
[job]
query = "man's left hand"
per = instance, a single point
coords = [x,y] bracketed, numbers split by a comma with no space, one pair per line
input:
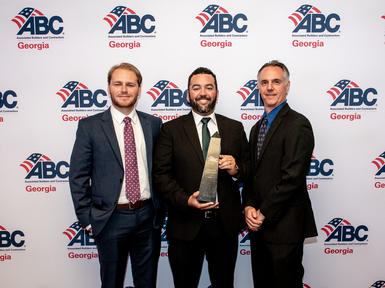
[227,162]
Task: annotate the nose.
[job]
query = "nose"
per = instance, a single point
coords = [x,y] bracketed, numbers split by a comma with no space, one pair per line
[124,88]
[269,86]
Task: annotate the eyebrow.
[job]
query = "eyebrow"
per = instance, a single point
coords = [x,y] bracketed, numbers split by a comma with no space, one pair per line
[199,85]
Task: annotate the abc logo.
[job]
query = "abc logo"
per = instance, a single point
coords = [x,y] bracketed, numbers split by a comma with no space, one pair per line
[253,98]
[356,97]
[86,99]
[134,24]
[320,167]
[83,239]
[41,25]
[172,98]
[318,23]
[225,23]
[6,101]
[348,234]
[48,170]
[11,239]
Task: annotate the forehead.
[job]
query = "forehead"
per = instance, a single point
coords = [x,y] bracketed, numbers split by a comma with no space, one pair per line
[123,74]
[271,72]
[202,79]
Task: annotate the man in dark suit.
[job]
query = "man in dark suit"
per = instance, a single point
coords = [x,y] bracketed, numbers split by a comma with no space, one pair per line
[196,229]
[110,181]
[277,206]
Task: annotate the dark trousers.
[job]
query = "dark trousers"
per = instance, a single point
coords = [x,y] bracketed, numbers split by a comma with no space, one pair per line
[186,257]
[129,232]
[276,265]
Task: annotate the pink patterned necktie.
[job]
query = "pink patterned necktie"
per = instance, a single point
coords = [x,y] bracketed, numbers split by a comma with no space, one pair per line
[130,163]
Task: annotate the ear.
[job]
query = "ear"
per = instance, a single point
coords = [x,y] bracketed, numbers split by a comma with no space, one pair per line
[188,95]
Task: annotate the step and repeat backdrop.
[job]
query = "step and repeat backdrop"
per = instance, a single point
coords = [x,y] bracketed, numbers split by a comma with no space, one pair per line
[55,56]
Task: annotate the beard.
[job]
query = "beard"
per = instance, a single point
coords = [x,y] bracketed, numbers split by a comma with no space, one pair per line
[201,109]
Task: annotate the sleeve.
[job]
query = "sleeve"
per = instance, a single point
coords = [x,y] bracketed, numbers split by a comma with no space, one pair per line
[80,174]
[164,176]
[298,148]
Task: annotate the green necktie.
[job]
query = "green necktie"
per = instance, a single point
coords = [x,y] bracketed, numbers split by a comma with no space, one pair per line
[205,136]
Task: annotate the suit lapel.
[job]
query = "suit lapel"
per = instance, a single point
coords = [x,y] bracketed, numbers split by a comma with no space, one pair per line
[273,128]
[192,135]
[147,132]
[109,130]
[222,132]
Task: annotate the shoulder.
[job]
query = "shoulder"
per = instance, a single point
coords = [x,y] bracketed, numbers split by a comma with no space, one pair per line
[148,117]
[296,117]
[223,120]
[179,122]
[93,119]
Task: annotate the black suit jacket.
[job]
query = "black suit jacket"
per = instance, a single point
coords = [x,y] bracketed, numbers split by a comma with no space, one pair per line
[277,183]
[178,167]
[96,168]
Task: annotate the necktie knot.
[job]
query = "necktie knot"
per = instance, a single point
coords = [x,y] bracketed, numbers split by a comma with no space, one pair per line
[205,120]
[127,120]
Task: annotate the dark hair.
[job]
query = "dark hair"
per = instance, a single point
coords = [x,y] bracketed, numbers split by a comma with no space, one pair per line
[276,63]
[202,70]
[126,66]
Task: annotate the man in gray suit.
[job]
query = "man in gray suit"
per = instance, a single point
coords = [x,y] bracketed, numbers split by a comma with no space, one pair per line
[110,181]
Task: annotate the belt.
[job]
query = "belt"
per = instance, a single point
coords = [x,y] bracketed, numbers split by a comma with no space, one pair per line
[136,205]
[210,214]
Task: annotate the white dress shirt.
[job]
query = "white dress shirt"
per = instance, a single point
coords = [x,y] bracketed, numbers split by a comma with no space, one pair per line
[211,125]
[140,144]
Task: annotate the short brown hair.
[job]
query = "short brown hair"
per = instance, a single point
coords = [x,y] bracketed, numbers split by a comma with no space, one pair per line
[126,66]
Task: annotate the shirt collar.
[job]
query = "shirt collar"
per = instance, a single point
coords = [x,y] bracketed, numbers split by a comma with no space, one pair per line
[119,116]
[273,113]
[198,118]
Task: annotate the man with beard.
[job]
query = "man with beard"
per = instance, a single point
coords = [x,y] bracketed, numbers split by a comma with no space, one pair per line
[110,180]
[195,229]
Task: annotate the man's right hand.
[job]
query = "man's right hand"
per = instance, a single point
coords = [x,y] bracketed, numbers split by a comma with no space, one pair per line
[193,202]
[254,218]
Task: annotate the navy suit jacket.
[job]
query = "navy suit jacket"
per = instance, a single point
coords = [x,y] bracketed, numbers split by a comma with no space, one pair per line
[277,183]
[96,168]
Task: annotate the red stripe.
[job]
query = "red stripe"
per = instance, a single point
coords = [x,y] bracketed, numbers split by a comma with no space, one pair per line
[346,222]
[331,93]
[200,19]
[38,12]
[152,95]
[109,21]
[131,11]
[378,165]
[2,228]
[20,18]
[316,10]
[25,167]
[240,93]
[246,91]
[18,24]
[45,158]
[82,86]
[68,235]
[173,85]
[326,231]
[294,21]
[223,10]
